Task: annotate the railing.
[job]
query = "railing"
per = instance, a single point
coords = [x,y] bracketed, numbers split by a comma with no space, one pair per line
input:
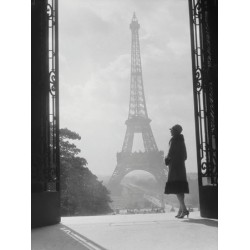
[52,171]
[204,87]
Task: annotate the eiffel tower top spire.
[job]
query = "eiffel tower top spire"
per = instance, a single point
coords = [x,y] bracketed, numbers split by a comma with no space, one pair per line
[137,104]
[134,24]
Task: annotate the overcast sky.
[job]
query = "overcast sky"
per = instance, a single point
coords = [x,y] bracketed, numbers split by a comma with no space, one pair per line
[95,44]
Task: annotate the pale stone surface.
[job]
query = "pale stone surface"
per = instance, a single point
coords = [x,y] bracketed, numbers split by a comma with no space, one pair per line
[147,231]
[138,232]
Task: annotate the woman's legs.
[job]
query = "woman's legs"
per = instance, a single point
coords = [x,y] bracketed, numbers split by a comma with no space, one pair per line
[181,201]
[180,204]
[185,212]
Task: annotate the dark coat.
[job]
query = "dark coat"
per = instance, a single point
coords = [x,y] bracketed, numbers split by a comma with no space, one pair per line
[177,177]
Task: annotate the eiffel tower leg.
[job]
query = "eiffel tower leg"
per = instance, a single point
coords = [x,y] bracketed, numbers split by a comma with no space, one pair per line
[148,140]
[128,141]
[115,187]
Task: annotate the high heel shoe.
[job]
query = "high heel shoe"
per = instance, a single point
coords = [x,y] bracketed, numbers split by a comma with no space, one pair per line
[178,214]
[183,214]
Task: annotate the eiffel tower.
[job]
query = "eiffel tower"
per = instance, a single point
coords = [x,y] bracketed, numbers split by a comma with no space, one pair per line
[151,160]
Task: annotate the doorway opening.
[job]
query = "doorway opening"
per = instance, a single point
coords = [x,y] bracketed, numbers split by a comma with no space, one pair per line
[95,46]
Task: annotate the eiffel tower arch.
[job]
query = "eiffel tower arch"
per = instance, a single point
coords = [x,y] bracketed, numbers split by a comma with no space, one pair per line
[151,160]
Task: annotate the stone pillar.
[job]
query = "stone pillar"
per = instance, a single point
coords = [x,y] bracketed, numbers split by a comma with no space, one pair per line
[39,95]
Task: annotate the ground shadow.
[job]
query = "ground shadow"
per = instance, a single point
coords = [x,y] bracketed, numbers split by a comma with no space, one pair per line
[207,222]
[60,237]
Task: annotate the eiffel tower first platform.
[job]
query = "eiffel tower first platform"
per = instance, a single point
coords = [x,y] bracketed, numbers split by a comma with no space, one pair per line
[151,160]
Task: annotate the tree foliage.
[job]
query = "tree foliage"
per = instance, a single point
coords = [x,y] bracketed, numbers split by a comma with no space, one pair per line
[81,192]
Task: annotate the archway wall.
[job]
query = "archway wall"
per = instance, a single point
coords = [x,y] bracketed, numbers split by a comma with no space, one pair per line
[45,196]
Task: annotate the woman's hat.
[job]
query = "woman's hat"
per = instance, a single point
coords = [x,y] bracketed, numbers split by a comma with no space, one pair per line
[177,128]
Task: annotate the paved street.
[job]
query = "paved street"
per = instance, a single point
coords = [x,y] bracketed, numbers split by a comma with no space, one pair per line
[130,232]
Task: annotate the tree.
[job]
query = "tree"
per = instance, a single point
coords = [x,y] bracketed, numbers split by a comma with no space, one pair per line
[81,192]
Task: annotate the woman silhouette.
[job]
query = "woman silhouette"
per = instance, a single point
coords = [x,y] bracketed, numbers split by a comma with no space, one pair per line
[177,177]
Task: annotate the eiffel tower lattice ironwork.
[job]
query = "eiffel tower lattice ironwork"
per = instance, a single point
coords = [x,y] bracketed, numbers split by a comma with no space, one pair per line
[152,160]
